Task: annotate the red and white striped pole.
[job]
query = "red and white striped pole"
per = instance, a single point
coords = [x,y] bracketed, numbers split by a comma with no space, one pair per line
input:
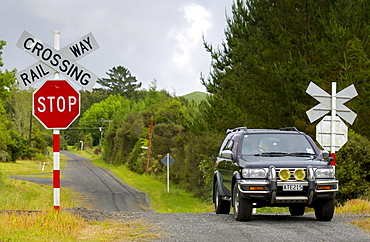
[56,171]
[56,143]
[333,124]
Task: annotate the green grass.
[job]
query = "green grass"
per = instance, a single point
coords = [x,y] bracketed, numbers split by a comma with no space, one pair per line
[24,195]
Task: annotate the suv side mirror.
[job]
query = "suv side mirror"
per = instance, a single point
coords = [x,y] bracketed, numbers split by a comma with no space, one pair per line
[325,154]
[226,154]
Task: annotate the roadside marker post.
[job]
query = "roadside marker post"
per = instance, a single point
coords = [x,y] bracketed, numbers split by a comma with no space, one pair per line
[167,161]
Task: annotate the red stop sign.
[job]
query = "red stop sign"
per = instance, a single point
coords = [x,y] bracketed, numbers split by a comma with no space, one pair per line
[56,104]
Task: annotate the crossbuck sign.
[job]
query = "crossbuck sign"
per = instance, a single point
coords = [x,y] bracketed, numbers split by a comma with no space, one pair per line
[62,61]
[331,132]
[331,102]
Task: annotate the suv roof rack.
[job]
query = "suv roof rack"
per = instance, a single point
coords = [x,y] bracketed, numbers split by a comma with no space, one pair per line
[236,129]
[289,129]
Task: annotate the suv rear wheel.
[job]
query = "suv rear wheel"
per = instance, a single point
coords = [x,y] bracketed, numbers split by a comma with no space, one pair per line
[221,206]
[324,211]
[242,207]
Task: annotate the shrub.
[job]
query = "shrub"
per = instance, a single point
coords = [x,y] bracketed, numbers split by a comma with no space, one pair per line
[97,151]
[352,169]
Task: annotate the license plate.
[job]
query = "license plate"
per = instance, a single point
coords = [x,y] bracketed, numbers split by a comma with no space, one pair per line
[292,187]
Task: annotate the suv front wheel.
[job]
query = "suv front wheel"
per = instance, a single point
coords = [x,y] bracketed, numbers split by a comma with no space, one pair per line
[221,206]
[324,211]
[242,207]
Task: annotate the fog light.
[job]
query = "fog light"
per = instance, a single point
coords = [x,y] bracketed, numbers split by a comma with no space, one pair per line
[284,175]
[299,174]
[256,188]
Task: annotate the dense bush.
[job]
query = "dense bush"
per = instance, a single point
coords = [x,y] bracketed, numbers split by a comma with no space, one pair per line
[353,168]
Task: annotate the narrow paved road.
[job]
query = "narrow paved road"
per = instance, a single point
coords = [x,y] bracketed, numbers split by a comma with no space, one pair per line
[98,188]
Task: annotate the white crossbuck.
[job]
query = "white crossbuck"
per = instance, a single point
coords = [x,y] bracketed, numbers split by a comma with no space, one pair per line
[62,61]
[325,105]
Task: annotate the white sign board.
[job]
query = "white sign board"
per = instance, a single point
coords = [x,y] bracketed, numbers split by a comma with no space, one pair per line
[324,134]
[62,61]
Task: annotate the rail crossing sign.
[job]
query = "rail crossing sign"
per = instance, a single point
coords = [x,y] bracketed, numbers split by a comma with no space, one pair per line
[326,103]
[56,104]
[331,132]
[62,61]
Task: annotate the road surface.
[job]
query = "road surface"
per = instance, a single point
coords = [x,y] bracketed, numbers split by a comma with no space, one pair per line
[97,187]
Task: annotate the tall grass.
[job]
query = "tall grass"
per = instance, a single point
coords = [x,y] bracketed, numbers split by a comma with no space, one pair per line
[55,226]
[355,206]
[52,226]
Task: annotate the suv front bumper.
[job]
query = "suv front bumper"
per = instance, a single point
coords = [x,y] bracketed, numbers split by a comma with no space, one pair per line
[272,191]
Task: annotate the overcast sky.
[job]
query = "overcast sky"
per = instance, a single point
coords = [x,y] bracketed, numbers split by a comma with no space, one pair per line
[154,39]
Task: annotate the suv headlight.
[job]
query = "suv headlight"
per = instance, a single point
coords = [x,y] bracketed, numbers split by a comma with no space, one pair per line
[324,173]
[254,173]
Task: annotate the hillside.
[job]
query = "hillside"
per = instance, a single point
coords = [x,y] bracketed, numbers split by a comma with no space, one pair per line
[196,96]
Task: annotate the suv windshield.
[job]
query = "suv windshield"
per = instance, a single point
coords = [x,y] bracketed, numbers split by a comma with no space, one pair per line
[276,144]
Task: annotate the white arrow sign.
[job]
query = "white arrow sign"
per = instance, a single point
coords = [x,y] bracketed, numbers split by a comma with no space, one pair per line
[325,105]
[60,61]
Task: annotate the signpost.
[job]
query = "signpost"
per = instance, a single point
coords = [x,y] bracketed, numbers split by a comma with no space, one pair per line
[167,161]
[56,104]
[331,132]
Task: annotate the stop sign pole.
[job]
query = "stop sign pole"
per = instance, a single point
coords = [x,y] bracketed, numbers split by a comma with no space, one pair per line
[56,143]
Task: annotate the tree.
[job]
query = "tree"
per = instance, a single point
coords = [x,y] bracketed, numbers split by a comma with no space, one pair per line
[273,49]
[7,79]
[4,134]
[352,169]
[120,82]
[99,114]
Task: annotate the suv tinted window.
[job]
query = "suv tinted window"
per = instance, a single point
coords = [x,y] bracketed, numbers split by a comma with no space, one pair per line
[286,143]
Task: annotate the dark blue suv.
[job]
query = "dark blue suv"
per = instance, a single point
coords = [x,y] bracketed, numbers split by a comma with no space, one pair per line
[273,168]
